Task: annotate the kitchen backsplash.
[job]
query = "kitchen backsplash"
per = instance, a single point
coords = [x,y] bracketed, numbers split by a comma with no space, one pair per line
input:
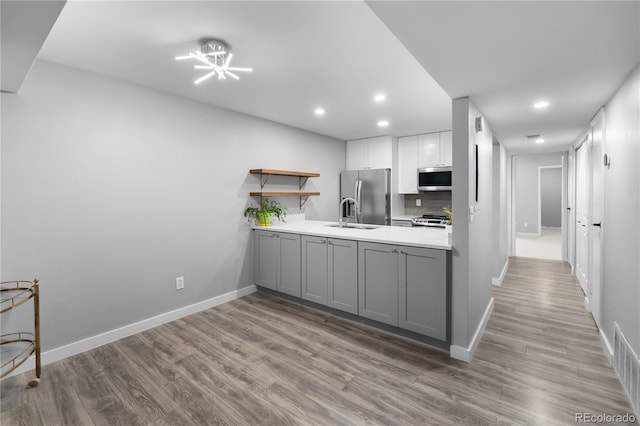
[432,203]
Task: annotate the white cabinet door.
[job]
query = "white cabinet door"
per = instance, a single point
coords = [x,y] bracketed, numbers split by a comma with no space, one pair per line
[446,148]
[429,150]
[408,165]
[356,154]
[379,153]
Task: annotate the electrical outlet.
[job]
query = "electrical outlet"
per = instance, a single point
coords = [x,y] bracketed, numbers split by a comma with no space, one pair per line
[526,225]
[179,283]
[418,202]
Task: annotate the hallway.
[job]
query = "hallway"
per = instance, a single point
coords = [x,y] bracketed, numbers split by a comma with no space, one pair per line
[544,346]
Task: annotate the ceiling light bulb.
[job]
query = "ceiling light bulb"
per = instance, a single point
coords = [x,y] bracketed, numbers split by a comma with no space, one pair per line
[319,111]
[539,140]
[541,105]
[379,97]
[383,123]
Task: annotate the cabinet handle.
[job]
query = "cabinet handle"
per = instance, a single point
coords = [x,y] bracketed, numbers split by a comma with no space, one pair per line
[403,252]
[330,243]
[324,241]
[394,251]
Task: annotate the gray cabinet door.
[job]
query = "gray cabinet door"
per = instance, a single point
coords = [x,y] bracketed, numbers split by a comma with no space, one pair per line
[423,291]
[289,272]
[378,282]
[343,275]
[267,259]
[314,269]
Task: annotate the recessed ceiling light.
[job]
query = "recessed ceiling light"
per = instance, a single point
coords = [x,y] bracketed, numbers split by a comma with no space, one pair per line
[539,140]
[541,105]
[383,123]
[379,97]
[319,111]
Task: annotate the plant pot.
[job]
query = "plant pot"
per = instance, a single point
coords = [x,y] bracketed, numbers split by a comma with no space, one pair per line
[264,219]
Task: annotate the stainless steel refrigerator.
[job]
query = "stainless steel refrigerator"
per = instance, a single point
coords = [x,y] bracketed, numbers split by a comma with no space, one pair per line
[371,189]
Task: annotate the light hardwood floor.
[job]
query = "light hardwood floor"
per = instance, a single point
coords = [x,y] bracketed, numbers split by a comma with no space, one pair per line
[262,360]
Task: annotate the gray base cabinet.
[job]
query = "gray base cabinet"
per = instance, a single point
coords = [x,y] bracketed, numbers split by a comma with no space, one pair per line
[422,276]
[277,263]
[405,287]
[314,269]
[378,282]
[330,272]
[343,275]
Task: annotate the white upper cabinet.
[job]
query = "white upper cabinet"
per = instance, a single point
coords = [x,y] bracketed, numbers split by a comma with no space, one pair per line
[429,150]
[434,149]
[408,165]
[371,153]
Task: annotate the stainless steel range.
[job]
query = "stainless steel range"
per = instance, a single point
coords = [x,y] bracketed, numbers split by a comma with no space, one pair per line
[432,220]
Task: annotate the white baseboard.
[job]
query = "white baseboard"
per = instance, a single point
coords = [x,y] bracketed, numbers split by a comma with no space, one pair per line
[587,304]
[608,349]
[498,281]
[92,342]
[534,234]
[466,354]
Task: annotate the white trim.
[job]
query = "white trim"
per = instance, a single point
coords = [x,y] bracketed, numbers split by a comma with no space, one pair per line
[608,349]
[92,342]
[587,304]
[466,354]
[498,281]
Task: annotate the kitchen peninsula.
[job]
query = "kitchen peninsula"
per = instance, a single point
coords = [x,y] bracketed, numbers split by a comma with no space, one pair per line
[393,278]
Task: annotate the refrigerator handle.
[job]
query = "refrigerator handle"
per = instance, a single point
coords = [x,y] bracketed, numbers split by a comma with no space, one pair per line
[359,201]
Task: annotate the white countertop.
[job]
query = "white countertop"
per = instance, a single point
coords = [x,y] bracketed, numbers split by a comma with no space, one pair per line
[420,236]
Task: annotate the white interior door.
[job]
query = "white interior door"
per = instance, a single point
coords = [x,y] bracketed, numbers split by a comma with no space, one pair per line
[597,209]
[582,216]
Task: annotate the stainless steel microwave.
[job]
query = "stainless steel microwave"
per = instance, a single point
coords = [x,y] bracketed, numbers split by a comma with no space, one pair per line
[434,179]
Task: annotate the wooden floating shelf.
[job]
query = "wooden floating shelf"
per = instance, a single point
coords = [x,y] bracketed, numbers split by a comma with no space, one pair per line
[283,173]
[283,194]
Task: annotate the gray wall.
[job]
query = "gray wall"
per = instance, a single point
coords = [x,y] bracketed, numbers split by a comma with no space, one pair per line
[551,197]
[526,188]
[500,211]
[473,233]
[110,191]
[621,227]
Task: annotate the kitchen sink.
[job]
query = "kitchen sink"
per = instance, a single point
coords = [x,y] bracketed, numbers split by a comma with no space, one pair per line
[353,226]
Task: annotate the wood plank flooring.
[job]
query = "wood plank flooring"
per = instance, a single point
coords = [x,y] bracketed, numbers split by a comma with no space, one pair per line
[263,360]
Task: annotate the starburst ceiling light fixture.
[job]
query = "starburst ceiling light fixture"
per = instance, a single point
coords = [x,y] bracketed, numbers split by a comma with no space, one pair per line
[215,57]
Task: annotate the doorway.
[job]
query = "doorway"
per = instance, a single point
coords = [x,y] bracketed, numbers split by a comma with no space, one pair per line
[539,195]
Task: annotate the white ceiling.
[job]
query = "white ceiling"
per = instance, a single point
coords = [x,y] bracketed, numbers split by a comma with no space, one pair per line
[505,55]
[305,54]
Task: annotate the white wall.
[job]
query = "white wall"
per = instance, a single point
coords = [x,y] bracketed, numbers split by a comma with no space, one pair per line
[621,227]
[473,233]
[110,191]
[525,168]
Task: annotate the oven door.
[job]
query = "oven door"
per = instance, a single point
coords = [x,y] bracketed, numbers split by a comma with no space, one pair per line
[434,179]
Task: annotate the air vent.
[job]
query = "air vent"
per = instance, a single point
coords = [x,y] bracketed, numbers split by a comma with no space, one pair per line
[627,366]
[533,137]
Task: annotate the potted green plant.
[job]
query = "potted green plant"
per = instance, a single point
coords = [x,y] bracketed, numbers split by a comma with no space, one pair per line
[266,210]
[449,213]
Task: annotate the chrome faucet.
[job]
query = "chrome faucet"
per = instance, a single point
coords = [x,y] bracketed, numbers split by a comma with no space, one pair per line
[351,200]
